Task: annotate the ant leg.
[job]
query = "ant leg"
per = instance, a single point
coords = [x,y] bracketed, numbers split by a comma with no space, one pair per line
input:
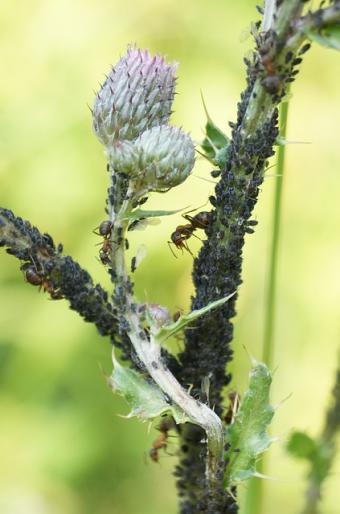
[173,253]
[196,237]
[185,245]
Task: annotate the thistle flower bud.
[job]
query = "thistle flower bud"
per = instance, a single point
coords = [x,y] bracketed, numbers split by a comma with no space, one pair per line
[160,158]
[124,157]
[167,156]
[137,95]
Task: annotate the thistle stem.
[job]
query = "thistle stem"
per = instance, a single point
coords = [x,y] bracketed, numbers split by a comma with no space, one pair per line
[149,351]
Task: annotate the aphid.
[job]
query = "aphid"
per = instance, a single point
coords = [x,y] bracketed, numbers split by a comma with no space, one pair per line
[143,200]
[215,173]
[48,240]
[161,442]
[133,264]
[134,224]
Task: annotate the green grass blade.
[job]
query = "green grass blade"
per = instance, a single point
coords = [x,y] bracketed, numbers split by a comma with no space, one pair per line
[254,497]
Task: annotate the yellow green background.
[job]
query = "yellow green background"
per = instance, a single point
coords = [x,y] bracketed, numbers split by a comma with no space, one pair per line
[63,447]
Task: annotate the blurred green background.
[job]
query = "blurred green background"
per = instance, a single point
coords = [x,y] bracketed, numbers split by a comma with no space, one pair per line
[63,447]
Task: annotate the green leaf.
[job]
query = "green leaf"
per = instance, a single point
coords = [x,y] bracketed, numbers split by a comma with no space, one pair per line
[146,400]
[317,452]
[138,214]
[170,329]
[247,435]
[215,144]
[327,36]
[302,446]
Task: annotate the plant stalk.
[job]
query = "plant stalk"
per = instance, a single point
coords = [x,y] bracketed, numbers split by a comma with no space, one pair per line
[149,351]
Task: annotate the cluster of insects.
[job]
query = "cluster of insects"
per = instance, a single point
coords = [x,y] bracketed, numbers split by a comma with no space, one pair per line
[41,280]
[179,237]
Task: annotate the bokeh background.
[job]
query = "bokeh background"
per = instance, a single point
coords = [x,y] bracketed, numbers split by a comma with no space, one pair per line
[63,447]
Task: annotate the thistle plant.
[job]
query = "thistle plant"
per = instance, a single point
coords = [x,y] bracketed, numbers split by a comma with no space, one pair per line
[146,154]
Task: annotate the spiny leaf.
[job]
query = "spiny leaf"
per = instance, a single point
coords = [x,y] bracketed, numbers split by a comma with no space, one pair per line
[146,400]
[247,435]
[138,214]
[170,329]
[327,36]
[215,144]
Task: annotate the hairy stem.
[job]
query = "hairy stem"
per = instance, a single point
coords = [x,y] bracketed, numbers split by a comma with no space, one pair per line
[148,350]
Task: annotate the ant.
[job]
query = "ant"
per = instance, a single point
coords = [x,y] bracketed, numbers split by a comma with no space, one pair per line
[34,278]
[104,253]
[105,230]
[162,440]
[200,220]
[179,237]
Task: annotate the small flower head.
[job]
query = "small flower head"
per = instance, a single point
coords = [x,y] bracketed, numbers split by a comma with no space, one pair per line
[167,156]
[137,95]
[161,158]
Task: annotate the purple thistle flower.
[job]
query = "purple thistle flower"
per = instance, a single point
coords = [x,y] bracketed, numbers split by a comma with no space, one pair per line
[137,95]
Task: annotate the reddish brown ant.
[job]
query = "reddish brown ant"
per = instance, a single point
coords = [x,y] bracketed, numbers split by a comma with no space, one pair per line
[179,237]
[37,279]
[105,230]
[104,253]
[161,442]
